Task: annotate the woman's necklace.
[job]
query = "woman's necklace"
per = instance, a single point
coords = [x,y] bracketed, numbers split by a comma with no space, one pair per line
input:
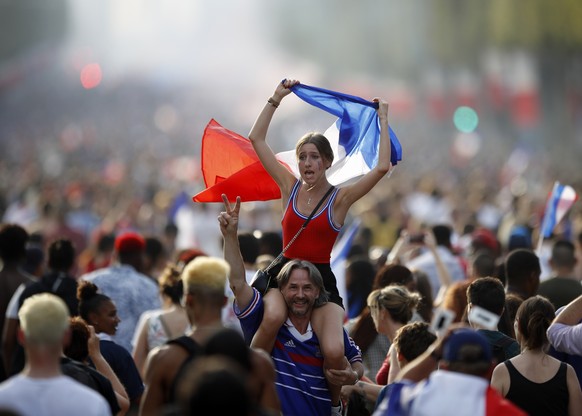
[309,199]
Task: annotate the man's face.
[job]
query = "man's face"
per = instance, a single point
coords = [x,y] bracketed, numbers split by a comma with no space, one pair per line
[300,293]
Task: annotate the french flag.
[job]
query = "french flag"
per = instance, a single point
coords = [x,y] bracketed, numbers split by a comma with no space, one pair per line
[559,203]
[339,257]
[230,165]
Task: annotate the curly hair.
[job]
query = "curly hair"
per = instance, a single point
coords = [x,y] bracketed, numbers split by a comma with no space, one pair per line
[413,339]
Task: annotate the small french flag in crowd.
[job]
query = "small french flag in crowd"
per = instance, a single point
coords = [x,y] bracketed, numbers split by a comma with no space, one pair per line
[230,165]
[339,257]
[559,203]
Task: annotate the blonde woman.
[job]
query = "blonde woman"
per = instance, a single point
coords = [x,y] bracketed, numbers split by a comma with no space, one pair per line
[392,307]
[160,325]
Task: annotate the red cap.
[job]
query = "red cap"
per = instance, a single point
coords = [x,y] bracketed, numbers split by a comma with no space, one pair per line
[187,255]
[129,242]
[485,238]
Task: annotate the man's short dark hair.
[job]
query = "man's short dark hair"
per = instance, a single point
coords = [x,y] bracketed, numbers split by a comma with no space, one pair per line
[270,242]
[13,240]
[214,385]
[154,249]
[563,254]
[413,339]
[442,234]
[61,255]
[249,247]
[519,265]
[483,264]
[488,293]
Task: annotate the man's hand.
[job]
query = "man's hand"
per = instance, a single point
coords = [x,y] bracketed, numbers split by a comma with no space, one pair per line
[346,376]
[93,343]
[228,219]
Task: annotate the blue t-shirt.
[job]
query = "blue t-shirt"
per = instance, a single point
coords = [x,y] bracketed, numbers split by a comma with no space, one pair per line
[301,383]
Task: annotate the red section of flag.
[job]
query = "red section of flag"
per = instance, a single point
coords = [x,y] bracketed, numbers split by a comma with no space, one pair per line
[230,166]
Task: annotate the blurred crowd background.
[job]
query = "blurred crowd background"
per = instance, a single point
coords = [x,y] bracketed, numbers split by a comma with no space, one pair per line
[103,105]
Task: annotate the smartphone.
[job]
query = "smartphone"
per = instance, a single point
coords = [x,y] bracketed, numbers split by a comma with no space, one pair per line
[483,318]
[441,320]
[417,238]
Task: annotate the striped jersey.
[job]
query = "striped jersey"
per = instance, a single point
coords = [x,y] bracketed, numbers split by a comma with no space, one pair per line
[301,384]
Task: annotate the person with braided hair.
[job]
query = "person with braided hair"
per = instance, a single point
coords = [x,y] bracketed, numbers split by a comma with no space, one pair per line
[533,380]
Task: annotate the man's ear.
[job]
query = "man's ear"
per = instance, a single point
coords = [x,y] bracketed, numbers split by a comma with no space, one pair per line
[188,299]
[67,337]
[21,337]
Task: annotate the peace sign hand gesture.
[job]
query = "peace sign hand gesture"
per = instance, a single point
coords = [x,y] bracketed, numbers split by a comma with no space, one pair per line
[228,219]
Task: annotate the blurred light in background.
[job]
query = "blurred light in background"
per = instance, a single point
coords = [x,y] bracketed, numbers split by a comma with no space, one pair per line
[465,119]
[166,118]
[91,76]
[467,145]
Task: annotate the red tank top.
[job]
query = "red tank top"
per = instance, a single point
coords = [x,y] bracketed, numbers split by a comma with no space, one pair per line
[315,242]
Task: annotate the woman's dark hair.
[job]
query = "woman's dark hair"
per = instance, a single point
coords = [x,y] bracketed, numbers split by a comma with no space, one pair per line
[364,331]
[392,274]
[360,271]
[78,348]
[320,142]
[423,287]
[512,303]
[89,299]
[171,284]
[534,317]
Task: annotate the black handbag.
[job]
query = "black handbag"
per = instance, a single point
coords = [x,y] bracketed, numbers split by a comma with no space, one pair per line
[262,278]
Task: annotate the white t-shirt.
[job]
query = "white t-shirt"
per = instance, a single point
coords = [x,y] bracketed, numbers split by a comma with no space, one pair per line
[56,396]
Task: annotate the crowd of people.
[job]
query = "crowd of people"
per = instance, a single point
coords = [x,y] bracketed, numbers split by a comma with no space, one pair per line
[450,309]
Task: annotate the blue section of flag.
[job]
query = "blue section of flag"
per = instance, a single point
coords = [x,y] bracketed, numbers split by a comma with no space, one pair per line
[344,244]
[549,221]
[553,214]
[179,201]
[358,123]
[339,255]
